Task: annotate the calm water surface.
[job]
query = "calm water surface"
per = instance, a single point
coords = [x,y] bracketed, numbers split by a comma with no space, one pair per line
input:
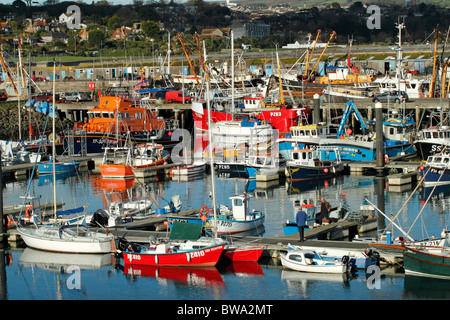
[32,274]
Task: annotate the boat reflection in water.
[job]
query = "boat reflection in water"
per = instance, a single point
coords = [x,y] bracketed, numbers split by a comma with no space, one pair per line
[201,277]
[61,261]
[417,287]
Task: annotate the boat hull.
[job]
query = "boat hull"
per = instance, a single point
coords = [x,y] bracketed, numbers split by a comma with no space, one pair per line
[116,171]
[435,176]
[299,173]
[428,264]
[228,226]
[66,246]
[60,167]
[204,257]
[326,268]
[243,254]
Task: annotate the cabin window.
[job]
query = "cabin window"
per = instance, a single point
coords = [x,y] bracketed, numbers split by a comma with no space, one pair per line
[428,135]
[391,131]
[441,135]
[111,115]
[445,160]
[97,115]
[295,257]
[430,159]
[105,115]
[413,85]
[127,115]
[438,160]
[435,135]
[309,155]
[91,115]
[295,156]
[237,202]
[302,133]
[268,161]
[304,155]
[314,132]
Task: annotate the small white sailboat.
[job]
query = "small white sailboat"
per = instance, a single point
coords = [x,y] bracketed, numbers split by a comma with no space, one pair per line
[69,238]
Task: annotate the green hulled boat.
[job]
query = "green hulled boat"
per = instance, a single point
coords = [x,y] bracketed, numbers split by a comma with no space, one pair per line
[427,261]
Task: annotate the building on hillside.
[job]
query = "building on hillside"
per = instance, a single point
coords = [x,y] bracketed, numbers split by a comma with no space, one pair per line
[55,36]
[215,33]
[250,29]
[122,33]
[5,27]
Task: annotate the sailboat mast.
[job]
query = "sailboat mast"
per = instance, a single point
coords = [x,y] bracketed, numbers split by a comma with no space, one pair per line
[53,139]
[211,159]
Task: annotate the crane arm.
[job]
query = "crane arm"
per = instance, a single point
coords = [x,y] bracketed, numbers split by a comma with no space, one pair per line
[323,51]
[349,107]
[188,59]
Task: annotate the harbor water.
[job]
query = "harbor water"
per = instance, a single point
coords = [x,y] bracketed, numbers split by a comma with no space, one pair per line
[36,275]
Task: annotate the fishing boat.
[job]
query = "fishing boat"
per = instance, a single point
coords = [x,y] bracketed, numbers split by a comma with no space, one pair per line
[149,154]
[250,131]
[195,168]
[268,164]
[357,258]
[136,124]
[117,163]
[397,141]
[432,140]
[46,167]
[237,219]
[311,261]
[427,261]
[185,248]
[436,171]
[305,137]
[309,164]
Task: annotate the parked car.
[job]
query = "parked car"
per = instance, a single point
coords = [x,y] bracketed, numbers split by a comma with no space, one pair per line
[45,96]
[76,96]
[393,96]
[177,96]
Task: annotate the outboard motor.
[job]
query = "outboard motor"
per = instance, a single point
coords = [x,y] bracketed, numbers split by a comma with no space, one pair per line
[100,217]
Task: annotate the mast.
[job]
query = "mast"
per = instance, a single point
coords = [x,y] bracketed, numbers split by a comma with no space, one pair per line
[53,139]
[211,159]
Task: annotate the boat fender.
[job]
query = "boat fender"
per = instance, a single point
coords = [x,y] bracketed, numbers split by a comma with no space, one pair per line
[188,257]
[156,259]
[29,211]
[8,221]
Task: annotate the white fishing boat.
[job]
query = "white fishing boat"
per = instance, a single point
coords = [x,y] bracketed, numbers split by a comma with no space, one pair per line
[195,168]
[358,258]
[238,218]
[249,130]
[311,261]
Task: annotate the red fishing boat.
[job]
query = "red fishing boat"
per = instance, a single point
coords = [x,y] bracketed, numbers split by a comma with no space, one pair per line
[281,118]
[166,255]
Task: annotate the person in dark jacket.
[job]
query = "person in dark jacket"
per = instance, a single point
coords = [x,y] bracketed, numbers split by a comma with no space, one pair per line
[300,218]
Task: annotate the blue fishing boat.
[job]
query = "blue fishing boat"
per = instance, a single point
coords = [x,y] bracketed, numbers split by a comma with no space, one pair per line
[265,164]
[397,130]
[46,167]
[308,164]
[436,170]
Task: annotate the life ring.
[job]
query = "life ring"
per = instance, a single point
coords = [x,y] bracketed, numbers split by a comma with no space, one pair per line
[203,209]
[154,114]
[386,157]
[29,211]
